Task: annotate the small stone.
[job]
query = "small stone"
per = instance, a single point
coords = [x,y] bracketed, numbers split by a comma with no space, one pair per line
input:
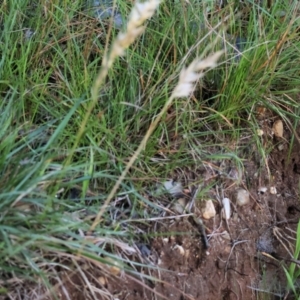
[113,265]
[102,280]
[235,174]
[278,128]
[209,210]
[242,197]
[180,205]
[273,190]
[173,187]
[280,147]
[226,208]
[144,249]
[226,236]
[262,190]
[180,249]
[259,132]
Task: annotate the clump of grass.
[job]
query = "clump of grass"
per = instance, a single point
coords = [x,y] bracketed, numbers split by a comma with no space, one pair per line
[187,79]
[68,129]
[37,226]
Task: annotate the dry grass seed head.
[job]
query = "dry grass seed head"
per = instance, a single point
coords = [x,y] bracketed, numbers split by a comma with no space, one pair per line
[139,14]
[188,76]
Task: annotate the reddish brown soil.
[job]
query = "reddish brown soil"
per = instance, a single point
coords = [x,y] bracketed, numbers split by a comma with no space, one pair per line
[246,264]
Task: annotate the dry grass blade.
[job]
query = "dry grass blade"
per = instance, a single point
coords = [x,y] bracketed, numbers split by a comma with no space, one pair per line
[188,76]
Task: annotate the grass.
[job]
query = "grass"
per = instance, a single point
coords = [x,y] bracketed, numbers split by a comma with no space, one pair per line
[65,124]
[292,272]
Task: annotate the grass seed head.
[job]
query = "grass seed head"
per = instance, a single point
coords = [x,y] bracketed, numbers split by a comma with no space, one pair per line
[139,14]
[188,76]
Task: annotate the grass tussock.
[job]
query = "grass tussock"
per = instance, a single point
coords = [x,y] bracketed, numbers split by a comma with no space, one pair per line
[93,117]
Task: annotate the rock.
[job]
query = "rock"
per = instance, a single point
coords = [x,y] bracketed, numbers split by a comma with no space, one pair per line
[235,174]
[225,235]
[273,190]
[262,190]
[144,249]
[102,280]
[226,209]
[280,147]
[242,197]
[173,187]
[165,240]
[280,14]
[259,132]
[278,128]
[180,249]
[179,205]
[209,210]
[113,265]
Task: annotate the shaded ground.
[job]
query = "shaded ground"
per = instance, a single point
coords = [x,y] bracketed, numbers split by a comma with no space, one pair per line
[244,257]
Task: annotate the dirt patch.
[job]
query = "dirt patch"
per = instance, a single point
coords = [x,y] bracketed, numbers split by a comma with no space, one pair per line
[245,253]
[244,257]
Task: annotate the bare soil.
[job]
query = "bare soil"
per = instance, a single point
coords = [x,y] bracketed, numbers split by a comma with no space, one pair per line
[245,255]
